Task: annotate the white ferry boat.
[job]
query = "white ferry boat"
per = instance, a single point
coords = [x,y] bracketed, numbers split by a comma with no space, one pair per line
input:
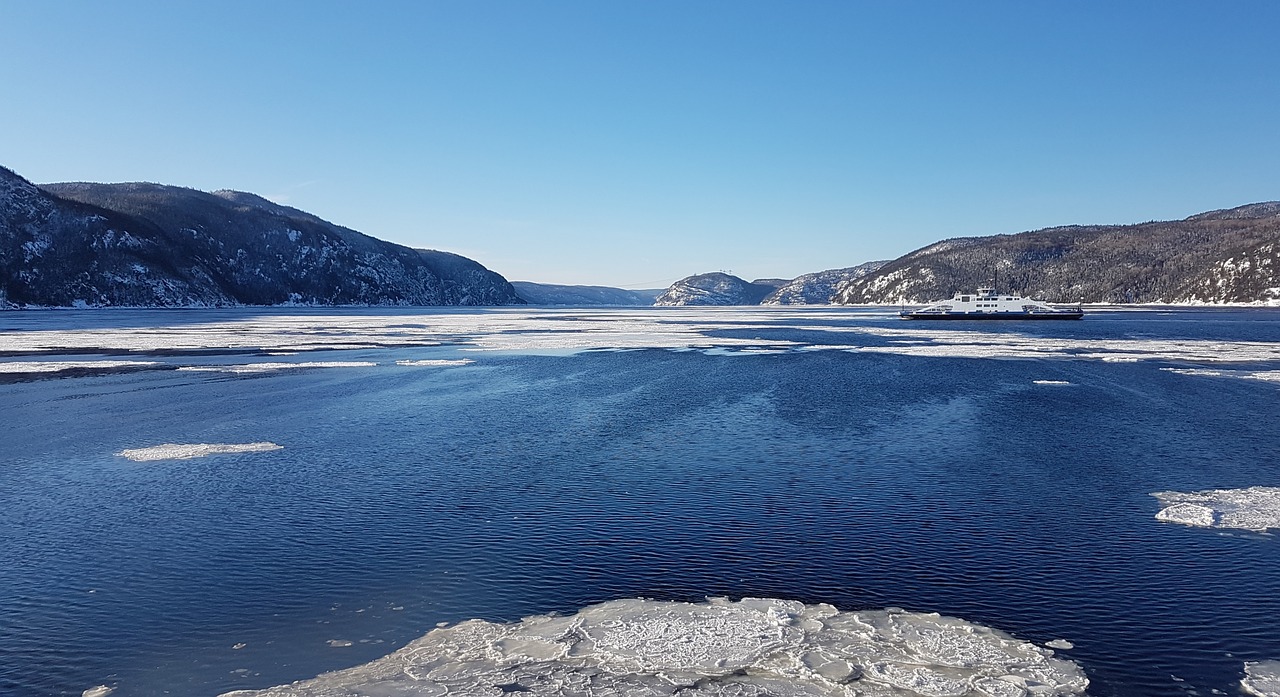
[988,304]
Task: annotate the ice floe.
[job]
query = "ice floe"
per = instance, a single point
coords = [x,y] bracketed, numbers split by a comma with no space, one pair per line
[59,366]
[273,367]
[434,362]
[749,648]
[1050,382]
[1262,678]
[99,691]
[1255,508]
[949,343]
[725,331]
[179,451]
[1264,375]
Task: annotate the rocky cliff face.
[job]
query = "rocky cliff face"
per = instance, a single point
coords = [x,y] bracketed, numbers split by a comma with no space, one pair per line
[155,245]
[716,289]
[1227,256]
[63,253]
[818,288]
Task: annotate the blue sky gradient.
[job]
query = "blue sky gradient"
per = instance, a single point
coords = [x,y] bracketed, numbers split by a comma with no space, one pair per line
[633,143]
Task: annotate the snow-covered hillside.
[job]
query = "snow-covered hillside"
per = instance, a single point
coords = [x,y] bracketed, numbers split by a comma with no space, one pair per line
[715,289]
[1224,256]
[818,288]
[155,245]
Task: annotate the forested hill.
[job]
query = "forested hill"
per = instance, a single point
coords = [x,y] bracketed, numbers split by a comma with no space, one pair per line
[156,245]
[1223,256]
[717,289]
[818,288]
[559,294]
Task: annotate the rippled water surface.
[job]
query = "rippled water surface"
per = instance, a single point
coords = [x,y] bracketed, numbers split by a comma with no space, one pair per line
[998,474]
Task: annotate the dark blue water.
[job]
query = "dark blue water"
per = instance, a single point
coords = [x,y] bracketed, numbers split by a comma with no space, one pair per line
[527,484]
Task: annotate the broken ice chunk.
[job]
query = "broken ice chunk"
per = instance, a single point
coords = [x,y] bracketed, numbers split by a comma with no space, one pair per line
[750,648]
[1262,678]
[179,451]
[1255,508]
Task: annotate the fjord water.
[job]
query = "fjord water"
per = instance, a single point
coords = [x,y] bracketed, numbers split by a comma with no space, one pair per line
[531,482]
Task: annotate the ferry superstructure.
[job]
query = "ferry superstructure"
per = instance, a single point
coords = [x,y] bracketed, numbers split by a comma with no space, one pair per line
[988,304]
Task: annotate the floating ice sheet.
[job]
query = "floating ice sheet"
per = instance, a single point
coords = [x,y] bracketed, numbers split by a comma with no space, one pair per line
[1262,678]
[749,648]
[273,367]
[1050,382]
[436,362]
[178,451]
[1264,375]
[1256,508]
[743,330]
[59,366]
[951,343]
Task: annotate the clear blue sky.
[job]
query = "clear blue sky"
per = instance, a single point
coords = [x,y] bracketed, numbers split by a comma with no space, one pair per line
[632,143]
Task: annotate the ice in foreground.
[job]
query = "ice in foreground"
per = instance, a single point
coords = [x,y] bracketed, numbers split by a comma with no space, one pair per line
[180,451]
[1262,678]
[746,648]
[1255,508]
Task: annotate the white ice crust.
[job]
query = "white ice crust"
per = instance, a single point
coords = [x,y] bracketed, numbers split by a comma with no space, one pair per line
[1262,678]
[436,362]
[59,366]
[99,691]
[1263,375]
[749,648]
[178,451]
[272,367]
[1255,508]
[726,331]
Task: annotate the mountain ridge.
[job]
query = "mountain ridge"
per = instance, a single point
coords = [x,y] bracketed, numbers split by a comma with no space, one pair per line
[575,295]
[820,287]
[716,288]
[143,244]
[1230,255]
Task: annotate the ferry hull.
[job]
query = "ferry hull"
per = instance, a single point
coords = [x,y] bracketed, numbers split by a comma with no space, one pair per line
[987,304]
[985,316]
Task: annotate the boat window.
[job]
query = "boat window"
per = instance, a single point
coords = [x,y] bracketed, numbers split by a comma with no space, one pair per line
[964,298]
